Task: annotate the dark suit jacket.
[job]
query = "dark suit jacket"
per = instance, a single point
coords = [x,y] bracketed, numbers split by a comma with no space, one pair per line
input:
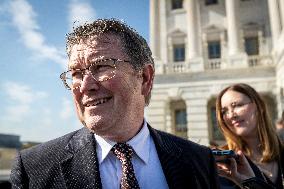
[71,162]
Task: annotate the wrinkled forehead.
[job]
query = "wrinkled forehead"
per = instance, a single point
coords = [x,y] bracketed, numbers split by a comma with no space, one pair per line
[95,48]
[97,41]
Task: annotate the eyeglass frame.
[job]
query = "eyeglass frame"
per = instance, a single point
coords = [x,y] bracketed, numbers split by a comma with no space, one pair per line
[233,108]
[62,75]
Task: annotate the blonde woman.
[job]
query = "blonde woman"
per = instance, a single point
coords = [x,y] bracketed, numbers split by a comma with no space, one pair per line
[243,119]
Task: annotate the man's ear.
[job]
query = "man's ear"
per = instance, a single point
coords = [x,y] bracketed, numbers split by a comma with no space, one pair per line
[147,76]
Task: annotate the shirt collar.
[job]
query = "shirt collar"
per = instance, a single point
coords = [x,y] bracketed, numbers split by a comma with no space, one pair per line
[140,143]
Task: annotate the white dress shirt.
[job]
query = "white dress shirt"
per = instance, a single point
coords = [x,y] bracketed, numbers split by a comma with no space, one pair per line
[146,163]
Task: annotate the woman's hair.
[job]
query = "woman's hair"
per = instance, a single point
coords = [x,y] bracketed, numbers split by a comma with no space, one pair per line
[269,142]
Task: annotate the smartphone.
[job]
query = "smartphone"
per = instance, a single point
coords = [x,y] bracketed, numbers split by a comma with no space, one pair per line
[223,156]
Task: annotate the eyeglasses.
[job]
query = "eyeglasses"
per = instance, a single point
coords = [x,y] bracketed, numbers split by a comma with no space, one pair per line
[101,70]
[236,107]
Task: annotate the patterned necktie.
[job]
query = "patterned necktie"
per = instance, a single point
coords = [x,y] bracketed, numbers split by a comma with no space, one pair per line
[124,153]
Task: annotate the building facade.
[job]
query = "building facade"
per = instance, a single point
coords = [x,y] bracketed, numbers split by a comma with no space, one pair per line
[202,46]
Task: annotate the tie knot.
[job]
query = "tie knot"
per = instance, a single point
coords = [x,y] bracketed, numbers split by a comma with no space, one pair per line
[122,151]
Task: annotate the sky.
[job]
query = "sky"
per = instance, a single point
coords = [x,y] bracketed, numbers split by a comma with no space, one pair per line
[33,101]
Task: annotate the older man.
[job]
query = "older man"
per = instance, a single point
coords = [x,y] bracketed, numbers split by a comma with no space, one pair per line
[110,75]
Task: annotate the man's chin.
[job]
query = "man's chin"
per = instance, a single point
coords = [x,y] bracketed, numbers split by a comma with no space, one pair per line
[93,123]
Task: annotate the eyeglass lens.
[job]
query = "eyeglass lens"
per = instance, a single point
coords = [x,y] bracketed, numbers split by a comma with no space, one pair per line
[100,71]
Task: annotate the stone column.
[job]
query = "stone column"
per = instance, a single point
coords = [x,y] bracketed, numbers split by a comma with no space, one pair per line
[274,20]
[192,30]
[205,49]
[170,47]
[154,28]
[260,42]
[234,41]
[236,56]
[223,43]
[282,14]
[193,49]
[163,29]
[170,63]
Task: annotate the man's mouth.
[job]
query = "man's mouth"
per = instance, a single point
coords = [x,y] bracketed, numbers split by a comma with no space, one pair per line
[97,102]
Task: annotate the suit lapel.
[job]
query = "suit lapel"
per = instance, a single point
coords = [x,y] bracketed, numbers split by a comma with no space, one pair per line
[177,173]
[80,167]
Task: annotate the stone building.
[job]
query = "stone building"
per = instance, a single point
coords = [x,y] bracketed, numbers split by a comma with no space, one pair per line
[9,145]
[202,46]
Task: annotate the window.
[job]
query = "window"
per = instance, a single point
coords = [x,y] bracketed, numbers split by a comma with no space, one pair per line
[177,4]
[179,53]
[211,2]
[251,46]
[180,120]
[181,123]
[214,49]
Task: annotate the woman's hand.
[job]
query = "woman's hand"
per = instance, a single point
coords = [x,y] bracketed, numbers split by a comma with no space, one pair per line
[236,171]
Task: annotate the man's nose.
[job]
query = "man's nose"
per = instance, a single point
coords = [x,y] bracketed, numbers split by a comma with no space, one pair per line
[88,83]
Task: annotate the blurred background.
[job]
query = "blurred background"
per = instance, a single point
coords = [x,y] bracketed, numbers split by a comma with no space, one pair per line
[199,47]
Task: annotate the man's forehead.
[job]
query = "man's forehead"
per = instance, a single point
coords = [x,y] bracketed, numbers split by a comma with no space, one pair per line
[95,48]
[97,42]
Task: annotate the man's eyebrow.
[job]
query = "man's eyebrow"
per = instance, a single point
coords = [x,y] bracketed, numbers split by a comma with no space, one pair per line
[93,58]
